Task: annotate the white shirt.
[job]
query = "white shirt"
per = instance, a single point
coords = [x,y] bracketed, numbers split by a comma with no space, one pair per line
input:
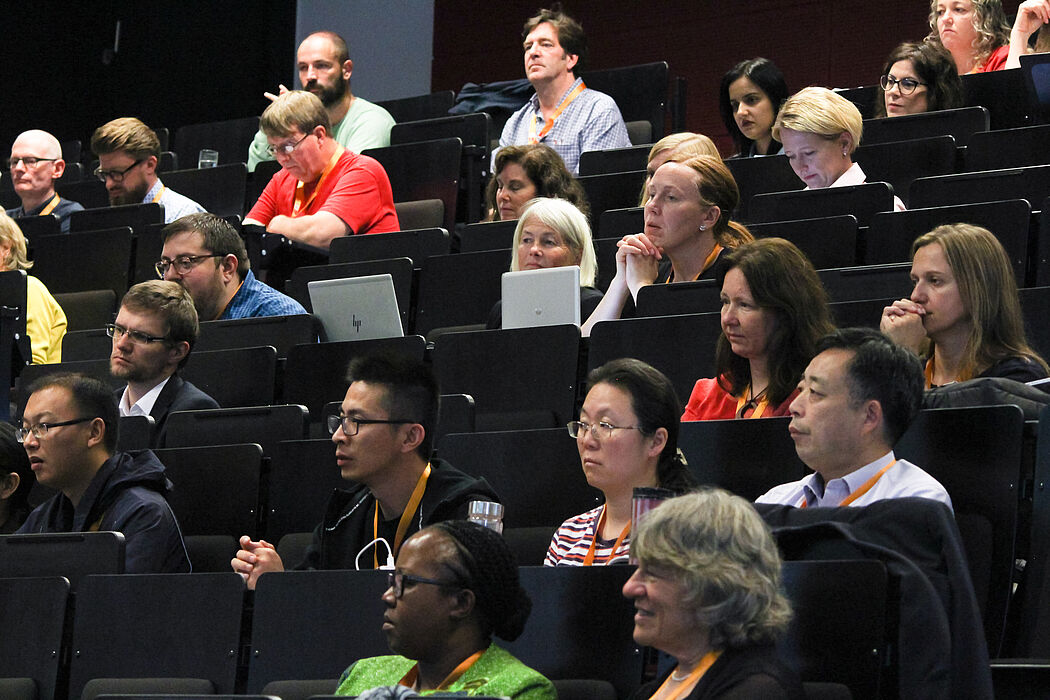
[902,480]
[856,176]
[144,406]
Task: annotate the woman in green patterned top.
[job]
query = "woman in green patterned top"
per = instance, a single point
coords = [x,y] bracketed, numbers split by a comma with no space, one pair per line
[456,584]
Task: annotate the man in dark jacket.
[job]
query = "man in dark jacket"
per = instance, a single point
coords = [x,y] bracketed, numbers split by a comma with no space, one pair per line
[154,332]
[69,431]
[383,438]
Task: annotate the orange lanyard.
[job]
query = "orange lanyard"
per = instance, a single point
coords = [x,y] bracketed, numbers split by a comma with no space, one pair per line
[51,206]
[533,138]
[859,492]
[928,373]
[409,681]
[690,681]
[298,203]
[406,517]
[715,252]
[759,408]
[160,193]
[589,559]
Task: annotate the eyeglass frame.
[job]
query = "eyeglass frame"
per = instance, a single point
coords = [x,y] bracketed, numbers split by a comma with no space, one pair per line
[137,337]
[13,161]
[22,433]
[888,82]
[395,580]
[335,421]
[582,429]
[192,260]
[286,149]
[116,175]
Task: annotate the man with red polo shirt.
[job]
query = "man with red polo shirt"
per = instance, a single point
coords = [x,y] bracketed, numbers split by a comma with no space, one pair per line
[323,190]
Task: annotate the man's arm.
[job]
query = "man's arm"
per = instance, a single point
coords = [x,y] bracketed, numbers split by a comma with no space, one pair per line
[313,229]
[153,543]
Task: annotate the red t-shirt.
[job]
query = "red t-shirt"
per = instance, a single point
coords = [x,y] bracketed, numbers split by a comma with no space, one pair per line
[357,191]
[996,61]
[710,402]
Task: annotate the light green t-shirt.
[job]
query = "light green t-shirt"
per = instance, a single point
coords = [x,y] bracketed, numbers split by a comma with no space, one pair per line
[366,125]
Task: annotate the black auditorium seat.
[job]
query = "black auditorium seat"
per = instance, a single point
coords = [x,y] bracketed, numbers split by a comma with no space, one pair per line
[901,162]
[1031,183]
[35,226]
[862,201]
[612,191]
[1035,305]
[220,190]
[1041,263]
[864,98]
[135,216]
[415,244]
[409,109]
[698,297]
[89,192]
[829,241]
[263,425]
[615,160]
[761,176]
[83,261]
[230,137]
[410,181]
[303,474]
[1033,622]
[617,223]
[961,123]
[282,332]
[234,377]
[640,91]
[88,310]
[1009,148]
[867,282]
[459,290]
[33,619]
[487,235]
[1001,93]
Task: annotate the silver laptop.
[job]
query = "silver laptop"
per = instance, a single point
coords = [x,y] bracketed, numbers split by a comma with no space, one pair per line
[357,308]
[545,297]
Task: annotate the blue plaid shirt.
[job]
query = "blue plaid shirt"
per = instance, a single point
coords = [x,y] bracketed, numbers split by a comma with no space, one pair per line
[592,122]
[257,299]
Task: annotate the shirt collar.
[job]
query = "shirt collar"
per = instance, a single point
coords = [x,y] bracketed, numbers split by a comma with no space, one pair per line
[144,406]
[814,488]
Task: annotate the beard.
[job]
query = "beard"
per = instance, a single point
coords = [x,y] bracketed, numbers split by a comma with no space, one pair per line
[134,196]
[329,94]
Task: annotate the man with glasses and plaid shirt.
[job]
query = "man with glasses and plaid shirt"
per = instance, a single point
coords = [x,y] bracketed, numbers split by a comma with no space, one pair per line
[153,334]
[206,255]
[383,437]
[34,166]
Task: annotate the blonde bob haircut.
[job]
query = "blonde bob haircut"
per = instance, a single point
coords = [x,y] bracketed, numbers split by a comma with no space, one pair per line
[296,109]
[11,235]
[721,551]
[988,289]
[817,110]
[571,225]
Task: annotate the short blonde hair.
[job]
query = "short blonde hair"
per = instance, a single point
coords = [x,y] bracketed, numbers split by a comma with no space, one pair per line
[817,110]
[12,235]
[126,134]
[686,144]
[570,223]
[296,109]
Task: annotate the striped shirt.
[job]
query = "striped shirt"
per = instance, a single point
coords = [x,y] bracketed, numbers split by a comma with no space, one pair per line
[573,539]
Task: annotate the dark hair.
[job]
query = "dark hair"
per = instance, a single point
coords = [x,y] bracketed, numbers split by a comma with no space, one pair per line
[656,405]
[880,370]
[90,396]
[13,458]
[411,391]
[935,67]
[547,171]
[782,280]
[763,73]
[570,33]
[488,567]
[220,237]
[172,303]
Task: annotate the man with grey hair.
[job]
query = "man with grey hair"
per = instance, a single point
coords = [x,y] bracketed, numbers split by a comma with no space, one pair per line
[323,190]
[324,68]
[35,163]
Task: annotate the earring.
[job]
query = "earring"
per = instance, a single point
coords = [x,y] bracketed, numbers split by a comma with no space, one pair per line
[703,228]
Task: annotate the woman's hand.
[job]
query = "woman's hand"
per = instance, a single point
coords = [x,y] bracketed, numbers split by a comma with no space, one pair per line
[1031,15]
[638,258]
[902,323]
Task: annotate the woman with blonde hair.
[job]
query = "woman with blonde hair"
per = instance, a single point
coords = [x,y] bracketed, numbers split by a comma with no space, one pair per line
[45,320]
[680,146]
[963,316]
[977,35]
[688,231]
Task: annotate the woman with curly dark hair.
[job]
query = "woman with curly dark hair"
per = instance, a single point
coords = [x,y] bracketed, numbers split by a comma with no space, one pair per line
[977,35]
[522,173]
[918,78]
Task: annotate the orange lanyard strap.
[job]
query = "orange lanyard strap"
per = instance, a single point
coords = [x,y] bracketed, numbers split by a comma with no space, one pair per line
[760,408]
[715,252]
[298,204]
[689,682]
[589,559]
[160,193]
[928,373]
[533,138]
[867,486]
[409,681]
[50,206]
[406,517]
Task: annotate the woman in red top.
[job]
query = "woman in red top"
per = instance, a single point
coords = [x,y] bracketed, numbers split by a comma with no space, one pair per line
[976,33]
[774,310]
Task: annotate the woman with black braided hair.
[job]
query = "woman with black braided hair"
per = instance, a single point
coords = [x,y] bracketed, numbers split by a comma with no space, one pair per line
[455,585]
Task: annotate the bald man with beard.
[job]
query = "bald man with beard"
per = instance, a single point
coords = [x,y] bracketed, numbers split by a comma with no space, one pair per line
[35,163]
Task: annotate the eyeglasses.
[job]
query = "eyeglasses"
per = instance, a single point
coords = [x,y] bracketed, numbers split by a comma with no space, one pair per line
[600,431]
[138,337]
[183,263]
[39,431]
[116,175]
[397,581]
[351,425]
[907,85]
[285,149]
[28,161]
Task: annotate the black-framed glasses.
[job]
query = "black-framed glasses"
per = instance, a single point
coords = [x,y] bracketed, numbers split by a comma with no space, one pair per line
[39,431]
[183,263]
[397,580]
[907,85]
[351,425]
[138,337]
[115,175]
[285,149]
[600,430]
[28,161]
